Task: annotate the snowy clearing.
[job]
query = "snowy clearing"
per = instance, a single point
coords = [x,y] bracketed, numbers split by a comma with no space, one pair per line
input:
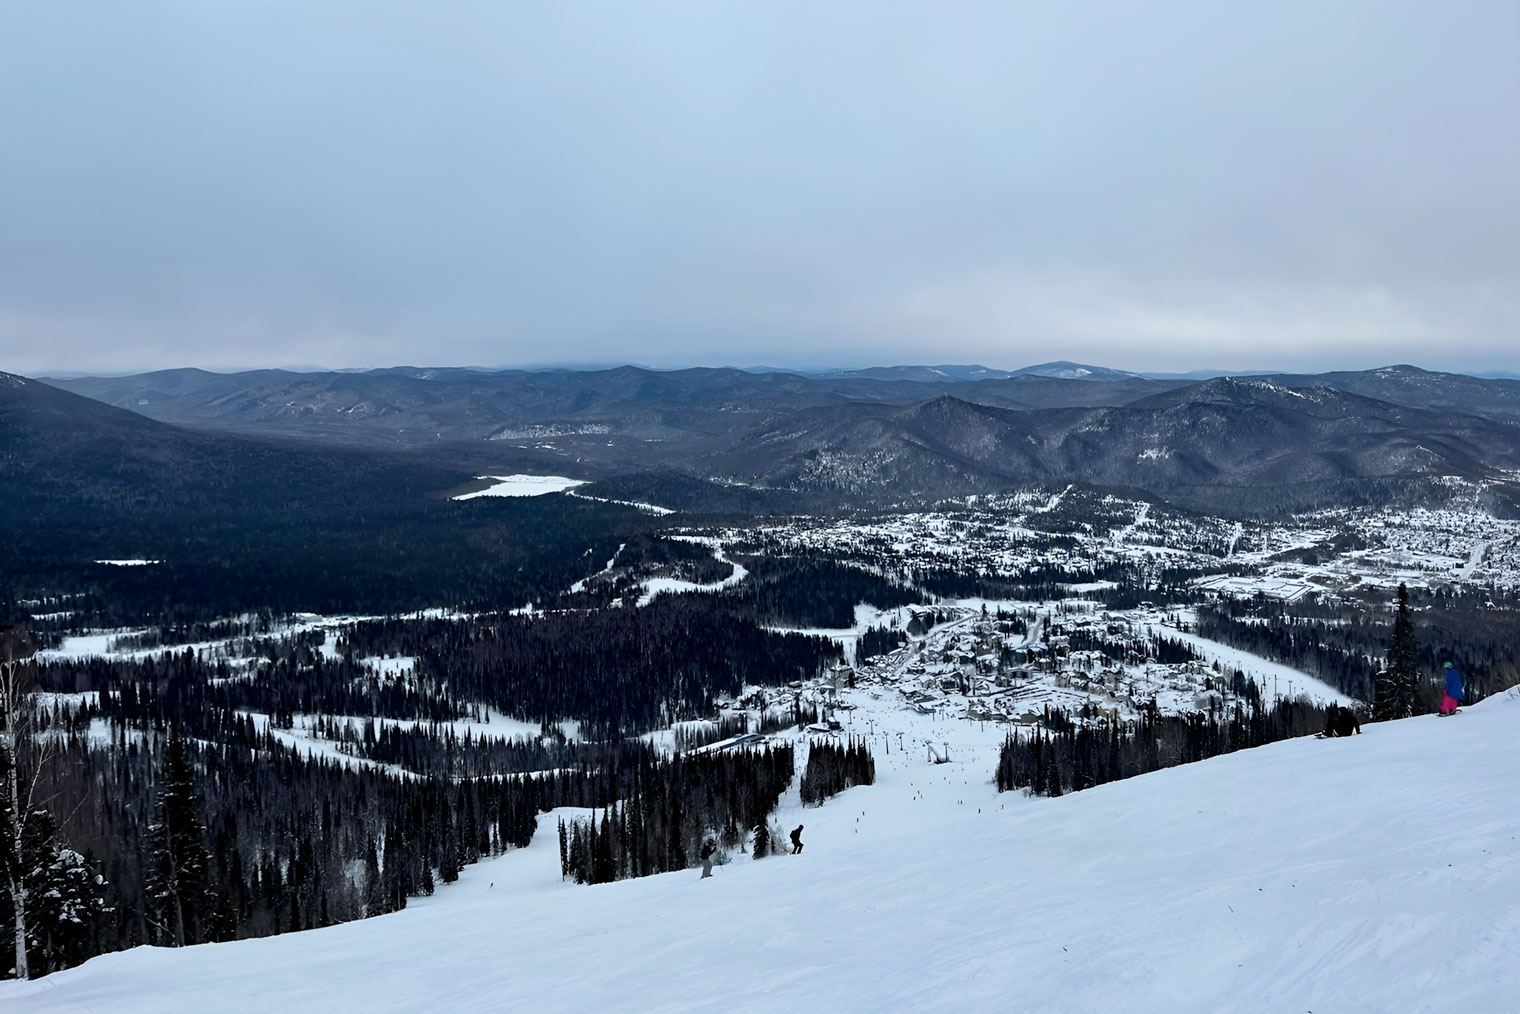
[866,617]
[523,485]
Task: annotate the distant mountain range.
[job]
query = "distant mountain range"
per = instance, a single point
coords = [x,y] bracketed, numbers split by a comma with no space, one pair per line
[409,406]
[949,374]
[243,521]
[1224,444]
[1264,442]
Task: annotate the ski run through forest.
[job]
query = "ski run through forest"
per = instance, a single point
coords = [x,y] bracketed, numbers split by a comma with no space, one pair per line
[1365,874]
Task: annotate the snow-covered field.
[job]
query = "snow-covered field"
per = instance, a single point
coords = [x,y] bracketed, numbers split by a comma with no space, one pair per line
[523,485]
[1371,874]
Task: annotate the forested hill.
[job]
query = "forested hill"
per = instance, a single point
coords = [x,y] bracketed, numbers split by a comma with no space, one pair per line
[242,522]
[76,455]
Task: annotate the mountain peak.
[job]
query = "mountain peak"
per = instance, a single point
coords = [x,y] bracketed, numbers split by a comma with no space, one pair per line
[944,373]
[1064,370]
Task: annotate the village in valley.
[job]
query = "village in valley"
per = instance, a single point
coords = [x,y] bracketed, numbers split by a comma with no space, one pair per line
[1010,663]
[1106,640]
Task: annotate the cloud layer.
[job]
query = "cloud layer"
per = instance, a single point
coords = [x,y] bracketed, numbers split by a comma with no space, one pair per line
[1148,186]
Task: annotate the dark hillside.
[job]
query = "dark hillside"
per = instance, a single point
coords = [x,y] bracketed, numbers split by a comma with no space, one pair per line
[242,523]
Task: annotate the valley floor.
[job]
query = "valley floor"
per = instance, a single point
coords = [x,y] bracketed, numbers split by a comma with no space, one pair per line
[1377,873]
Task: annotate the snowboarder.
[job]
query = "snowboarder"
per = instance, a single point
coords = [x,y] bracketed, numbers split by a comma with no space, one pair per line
[1453,690]
[797,840]
[708,848]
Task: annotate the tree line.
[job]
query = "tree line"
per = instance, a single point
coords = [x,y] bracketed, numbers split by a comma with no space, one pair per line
[1064,755]
[662,823]
[834,767]
[1348,641]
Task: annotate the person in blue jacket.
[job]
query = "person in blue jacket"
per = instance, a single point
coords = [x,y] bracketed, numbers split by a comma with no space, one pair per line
[1453,690]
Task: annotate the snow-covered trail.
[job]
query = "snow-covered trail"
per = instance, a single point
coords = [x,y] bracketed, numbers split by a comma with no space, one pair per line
[661,585]
[1120,535]
[1474,558]
[1371,874]
[848,638]
[1276,679]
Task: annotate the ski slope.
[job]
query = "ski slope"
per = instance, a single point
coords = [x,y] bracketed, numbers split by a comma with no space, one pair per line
[1372,874]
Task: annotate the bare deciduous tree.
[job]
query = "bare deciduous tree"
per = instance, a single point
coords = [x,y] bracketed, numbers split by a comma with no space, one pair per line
[23,766]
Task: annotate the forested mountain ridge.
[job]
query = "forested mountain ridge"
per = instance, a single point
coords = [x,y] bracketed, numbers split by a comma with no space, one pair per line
[409,407]
[1207,446]
[797,440]
[1493,398]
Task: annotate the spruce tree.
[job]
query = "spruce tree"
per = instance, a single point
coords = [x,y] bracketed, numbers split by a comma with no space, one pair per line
[179,861]
[1397,688]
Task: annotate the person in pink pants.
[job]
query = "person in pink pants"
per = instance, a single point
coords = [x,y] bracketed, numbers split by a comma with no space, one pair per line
[1453,696]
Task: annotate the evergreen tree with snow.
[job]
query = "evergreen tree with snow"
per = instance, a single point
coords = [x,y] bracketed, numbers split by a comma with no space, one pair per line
[762,841]
[66,899]
[179,861]
[1398,684]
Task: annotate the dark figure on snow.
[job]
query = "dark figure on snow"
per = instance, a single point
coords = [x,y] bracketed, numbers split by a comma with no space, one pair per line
[1341,721]
[1453,690]
[708,848]
[797,840]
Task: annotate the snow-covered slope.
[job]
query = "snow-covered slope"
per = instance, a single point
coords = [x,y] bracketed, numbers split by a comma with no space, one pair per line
[1377,873]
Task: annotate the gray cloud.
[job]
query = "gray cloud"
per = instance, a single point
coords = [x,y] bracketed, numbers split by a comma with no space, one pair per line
[1145,185]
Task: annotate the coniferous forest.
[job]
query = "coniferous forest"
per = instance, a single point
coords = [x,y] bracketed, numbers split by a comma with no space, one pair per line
[661,823]
[1347,642]
[1067,756]
[179,809]
[833,767]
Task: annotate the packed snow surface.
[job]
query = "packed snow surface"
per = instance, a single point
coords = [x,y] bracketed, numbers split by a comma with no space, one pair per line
[523,485]
[1376,873]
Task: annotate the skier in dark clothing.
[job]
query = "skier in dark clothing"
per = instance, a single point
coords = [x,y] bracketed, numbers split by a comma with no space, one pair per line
[1341,721]
[797,840]
[708,848]
[1453,690]
[1332,721]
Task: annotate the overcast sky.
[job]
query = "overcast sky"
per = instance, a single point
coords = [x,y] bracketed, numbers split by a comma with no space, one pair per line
[1142,185]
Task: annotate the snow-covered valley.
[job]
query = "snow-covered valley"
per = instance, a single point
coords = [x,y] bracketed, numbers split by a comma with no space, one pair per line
[1305,874]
